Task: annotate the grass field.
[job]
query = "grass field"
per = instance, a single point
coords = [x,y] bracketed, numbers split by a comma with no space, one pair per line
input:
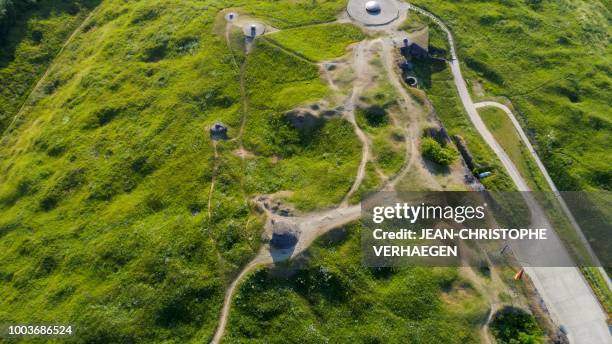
[105,178]
[335,298]
[29,46]
[550,59]
[319,42]
[506,135]
[317,163]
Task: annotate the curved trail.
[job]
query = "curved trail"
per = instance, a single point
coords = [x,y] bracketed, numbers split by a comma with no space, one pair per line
[566,294]
[213,179]
[411,130]
[315,224]
[360,66]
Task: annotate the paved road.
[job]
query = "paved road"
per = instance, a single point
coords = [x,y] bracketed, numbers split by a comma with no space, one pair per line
[549,180]
[567,295]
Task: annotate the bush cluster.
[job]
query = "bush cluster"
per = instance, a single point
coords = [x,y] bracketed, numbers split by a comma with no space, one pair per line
[436,152]
[514,326]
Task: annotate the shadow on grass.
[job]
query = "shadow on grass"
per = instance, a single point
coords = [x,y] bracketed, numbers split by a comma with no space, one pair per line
[424,69]
[16,30]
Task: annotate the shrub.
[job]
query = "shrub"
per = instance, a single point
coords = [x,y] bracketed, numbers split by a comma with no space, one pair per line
[434,151]
[514,326]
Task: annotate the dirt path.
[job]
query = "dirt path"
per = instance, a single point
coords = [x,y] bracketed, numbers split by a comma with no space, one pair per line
[310,227]
[360,66]
[411,130]
[313,225]
[229,294]
[213,179]
[328,78]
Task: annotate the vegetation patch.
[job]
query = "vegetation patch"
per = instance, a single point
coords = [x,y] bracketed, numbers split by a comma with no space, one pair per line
[436,152]
[318,42]
[515,326]
[437,80]
[334,298]
[552,63]
[31,34]
[318,163]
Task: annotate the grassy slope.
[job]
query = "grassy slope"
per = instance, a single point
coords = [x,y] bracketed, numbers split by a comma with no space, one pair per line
[308,41]
[104,182]
[30,45]
[436,79]
[551,61]
[498,122]
[502,129]
[318,164]
[338,300]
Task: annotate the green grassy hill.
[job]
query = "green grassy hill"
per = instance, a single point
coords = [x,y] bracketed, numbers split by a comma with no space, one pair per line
[31,34]
[119,214]
[551,59]
[336,299]
[105,179]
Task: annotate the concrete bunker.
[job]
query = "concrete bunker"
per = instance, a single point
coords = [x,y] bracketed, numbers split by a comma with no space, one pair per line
[284,235]
[231,16]
[253,29]
[411,81]
[372,7]
[218,131]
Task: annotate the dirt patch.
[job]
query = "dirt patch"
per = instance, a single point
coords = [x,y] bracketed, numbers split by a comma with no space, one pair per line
[310,117]
[243,153]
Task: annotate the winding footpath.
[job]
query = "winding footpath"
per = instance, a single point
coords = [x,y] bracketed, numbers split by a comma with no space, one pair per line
[566,294]
[312,225]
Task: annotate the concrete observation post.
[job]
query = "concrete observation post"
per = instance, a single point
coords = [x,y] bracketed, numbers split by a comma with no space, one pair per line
[373,12]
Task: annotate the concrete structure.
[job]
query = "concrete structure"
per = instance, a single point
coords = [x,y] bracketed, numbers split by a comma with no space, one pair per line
[284,236]
[411,81]
[372,7]
[231,16]
[412,50]
[218,131]
[253,29]
[373,12]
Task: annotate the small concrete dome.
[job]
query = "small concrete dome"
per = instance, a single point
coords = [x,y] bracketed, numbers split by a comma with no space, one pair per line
[372,7]
[411,81]
[231,16]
